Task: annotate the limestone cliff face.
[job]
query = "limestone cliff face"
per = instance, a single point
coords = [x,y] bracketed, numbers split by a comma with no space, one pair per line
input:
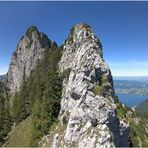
[28,51]
[88,112]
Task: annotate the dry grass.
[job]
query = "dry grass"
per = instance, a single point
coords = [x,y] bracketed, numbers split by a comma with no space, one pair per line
[20,135]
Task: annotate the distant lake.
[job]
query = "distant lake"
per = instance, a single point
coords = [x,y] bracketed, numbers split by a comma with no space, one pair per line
[131,100]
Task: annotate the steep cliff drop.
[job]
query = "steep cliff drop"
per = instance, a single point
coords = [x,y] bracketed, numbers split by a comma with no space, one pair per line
[29,50]
[88,112]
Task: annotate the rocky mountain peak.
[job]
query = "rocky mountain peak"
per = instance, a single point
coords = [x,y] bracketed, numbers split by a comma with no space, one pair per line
[81,30]
[32,33]
[81,33]
[24,59]
[81,41]
[88,112]
[32,29]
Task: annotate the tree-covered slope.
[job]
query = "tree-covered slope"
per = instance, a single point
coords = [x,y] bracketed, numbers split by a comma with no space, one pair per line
[5,116]
[138,135]
[39,97]
[143,108]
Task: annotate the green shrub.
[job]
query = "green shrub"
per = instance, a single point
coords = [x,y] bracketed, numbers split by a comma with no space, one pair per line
[96,89]
[66,73]
[103,79]
[116,99]
[5,116]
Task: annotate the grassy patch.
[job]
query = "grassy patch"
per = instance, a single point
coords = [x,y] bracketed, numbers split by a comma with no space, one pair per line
[143,108]
[96,89]
[66,73]
[103,79]
[39,96]
[116,100]
[20,135]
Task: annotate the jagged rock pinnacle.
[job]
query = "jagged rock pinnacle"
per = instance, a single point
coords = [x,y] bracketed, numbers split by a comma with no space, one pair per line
[87,115]
[81,27]
[83,32]
[81,40]
[32,29]
[28,51]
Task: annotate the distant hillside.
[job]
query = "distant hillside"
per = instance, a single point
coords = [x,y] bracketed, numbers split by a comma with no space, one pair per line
[132,78]
[131,87]
[143,108]
[1,76]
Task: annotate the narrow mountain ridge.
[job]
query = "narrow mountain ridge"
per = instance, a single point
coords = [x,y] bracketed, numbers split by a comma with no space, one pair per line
[64,96]
[88,112]
[29,50]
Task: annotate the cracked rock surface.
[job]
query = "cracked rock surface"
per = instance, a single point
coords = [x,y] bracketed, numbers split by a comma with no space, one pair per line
[28,51]
[88,112]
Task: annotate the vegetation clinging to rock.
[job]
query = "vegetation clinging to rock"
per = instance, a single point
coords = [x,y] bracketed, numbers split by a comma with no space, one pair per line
[96,89]
[138,125]
[40,96]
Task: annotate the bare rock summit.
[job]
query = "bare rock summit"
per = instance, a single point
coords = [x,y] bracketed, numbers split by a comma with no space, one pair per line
[88,112]
[29,50]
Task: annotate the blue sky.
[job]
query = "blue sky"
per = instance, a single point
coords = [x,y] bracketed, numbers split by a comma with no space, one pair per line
[122,27]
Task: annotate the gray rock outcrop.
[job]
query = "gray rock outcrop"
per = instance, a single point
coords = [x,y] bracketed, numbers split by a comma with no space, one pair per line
[28,51]
[88,112]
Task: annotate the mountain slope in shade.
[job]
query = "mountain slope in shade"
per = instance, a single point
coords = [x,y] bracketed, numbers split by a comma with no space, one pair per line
[143,108]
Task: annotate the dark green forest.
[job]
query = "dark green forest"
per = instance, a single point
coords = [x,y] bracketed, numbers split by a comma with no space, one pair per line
[39,97]
[5,117]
